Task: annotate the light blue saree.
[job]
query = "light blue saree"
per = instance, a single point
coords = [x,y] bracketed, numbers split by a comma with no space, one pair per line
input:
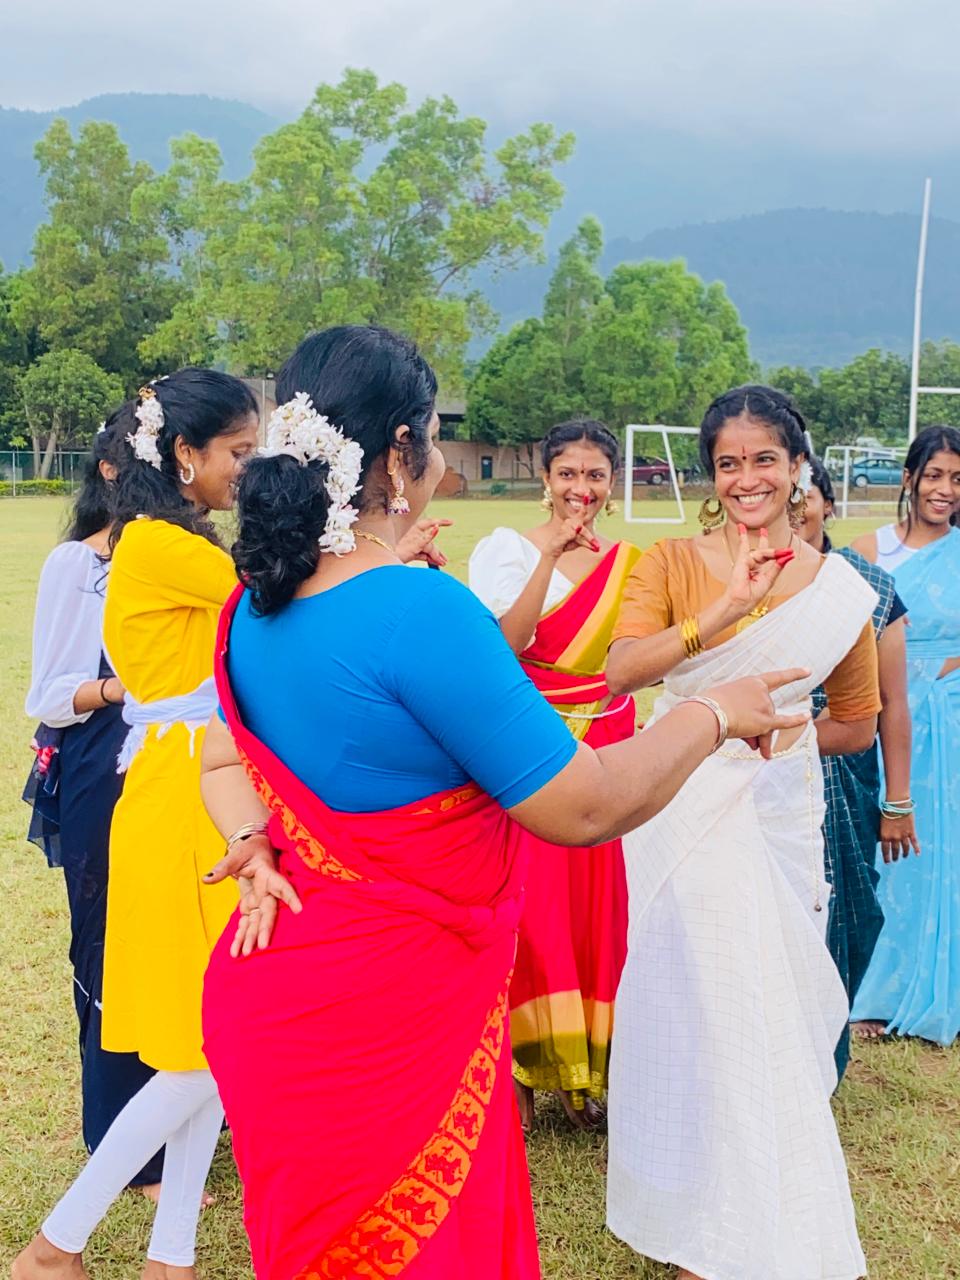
[913,982]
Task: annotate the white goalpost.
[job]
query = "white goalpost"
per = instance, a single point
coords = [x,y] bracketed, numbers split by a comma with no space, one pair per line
[633,430]
[841,463]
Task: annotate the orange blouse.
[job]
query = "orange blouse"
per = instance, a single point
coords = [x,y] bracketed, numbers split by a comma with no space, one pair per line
[671,581]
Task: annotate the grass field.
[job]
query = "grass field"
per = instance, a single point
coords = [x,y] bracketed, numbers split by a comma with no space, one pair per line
[899,1110]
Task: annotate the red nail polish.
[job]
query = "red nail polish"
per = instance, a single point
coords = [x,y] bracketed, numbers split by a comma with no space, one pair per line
[763,533]
[741,529]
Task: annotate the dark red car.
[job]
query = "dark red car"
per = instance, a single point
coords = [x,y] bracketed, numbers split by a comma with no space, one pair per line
[650,471]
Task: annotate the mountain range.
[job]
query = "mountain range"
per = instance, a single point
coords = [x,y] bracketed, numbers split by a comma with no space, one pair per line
[814,286]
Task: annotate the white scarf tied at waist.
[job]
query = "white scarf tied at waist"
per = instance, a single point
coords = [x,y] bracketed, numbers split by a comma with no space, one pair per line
[191,709]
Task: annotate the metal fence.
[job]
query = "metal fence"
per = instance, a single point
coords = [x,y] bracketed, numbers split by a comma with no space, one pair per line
[18,466]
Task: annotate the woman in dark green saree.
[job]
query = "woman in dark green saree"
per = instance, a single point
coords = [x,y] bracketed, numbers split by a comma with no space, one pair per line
[855,821]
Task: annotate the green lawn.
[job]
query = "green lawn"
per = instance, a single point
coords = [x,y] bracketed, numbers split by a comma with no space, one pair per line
[899,1110]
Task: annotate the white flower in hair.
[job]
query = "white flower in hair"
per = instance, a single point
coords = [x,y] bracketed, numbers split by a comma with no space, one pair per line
[149,414]
[806,476]
[296,429]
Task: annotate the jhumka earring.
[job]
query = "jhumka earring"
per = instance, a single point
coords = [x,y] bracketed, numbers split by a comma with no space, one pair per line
[711,514]
[797,507]
[397,504]
[610,507]
[547,500]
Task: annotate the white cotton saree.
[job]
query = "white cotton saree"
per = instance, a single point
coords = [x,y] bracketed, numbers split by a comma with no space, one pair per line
[724,1155]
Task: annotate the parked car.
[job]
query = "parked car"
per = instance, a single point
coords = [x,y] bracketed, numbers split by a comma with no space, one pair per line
[876,471]
[650,471]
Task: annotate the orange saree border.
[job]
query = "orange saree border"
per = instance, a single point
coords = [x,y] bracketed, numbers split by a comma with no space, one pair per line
[386,1239]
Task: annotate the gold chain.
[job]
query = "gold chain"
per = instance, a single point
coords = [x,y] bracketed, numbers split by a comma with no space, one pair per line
[372,537]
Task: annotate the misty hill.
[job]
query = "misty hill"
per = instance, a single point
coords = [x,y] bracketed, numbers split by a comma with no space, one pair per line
[146,122]
[813,286]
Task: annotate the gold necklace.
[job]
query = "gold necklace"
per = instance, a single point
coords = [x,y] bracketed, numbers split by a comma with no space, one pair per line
[759,610]
[372,537]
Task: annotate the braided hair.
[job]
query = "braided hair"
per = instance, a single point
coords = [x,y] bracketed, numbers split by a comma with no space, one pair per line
[766,405]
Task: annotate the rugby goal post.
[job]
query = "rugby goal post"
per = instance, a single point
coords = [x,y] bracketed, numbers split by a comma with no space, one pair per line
[916,390]
[633,430]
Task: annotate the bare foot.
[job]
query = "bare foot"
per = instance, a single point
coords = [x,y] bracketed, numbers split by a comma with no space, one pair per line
[525,1105]
[163,1271]
[590,1118]
[41,1260]
[152,1193]
[869,1030]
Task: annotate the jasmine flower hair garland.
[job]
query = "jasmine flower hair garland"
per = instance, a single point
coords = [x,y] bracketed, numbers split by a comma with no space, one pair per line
[296,429]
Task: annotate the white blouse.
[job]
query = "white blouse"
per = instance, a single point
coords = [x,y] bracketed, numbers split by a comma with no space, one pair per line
[501,566]
[67,632]
[892,551]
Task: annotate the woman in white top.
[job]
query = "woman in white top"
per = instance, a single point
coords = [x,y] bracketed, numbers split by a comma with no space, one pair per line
[74,784]
[556,591]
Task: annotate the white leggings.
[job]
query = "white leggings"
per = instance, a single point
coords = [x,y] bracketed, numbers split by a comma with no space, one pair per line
[179,1108]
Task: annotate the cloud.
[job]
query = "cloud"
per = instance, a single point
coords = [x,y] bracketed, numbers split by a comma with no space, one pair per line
[826,74]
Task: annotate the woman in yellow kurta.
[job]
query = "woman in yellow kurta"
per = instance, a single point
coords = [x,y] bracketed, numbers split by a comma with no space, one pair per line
[159,629]
[189,435]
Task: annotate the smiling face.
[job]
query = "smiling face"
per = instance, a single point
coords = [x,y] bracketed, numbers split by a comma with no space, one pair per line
[580,481]
[216,468]
[935,494]
[753,472]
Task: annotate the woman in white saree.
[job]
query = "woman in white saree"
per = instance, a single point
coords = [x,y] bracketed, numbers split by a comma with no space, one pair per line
[724,1155]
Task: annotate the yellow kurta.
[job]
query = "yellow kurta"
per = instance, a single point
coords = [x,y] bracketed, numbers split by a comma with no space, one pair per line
[165,592]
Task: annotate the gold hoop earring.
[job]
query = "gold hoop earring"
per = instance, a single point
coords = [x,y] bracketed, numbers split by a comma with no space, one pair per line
[797,507]
[711,514]
[397,505]
[547,500]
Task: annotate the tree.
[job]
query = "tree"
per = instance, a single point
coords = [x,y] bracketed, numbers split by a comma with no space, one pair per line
[97,283]
[502,404]
[65,397]
[652,343]
[16,350]
[939,367]
[361,210]
[867,397]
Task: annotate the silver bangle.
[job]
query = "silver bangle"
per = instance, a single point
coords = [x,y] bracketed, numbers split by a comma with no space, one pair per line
[243,833]
[723,726]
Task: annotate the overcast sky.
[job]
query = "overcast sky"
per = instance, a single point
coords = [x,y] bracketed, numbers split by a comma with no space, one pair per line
[829,74]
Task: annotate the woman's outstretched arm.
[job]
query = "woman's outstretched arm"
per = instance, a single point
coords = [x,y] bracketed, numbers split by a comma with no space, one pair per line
[603,794]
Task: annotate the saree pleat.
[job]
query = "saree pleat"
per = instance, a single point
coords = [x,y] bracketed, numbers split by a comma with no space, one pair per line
[363,1058]
[572,940]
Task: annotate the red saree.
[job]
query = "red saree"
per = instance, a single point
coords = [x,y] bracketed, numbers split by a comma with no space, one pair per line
[573,933]
[363,1059]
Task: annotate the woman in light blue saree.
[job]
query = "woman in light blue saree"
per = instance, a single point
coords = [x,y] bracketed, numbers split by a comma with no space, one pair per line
[912,986]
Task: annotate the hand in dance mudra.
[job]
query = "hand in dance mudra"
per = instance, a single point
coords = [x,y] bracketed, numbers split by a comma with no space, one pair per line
[755,570]
[263,888]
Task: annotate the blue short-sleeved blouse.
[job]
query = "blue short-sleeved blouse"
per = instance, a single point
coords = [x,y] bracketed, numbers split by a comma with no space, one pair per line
[392,686]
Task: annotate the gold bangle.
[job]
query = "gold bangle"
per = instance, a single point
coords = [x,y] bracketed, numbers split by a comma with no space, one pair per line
[690,637]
